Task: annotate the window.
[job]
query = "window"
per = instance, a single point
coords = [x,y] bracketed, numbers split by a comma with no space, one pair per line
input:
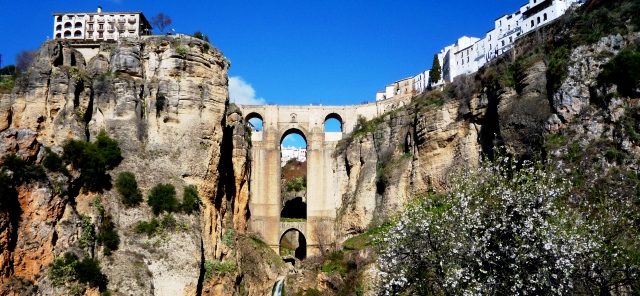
[67,34]
[508,27]
[100,35]
[538,20]
[545,16]
[90,34]
[532,24]
[59,18]
[489,37]
[77,34]
[58,36]
[67,25]
[58,27]
[101,26]
[500,24]
[91,27]
[502,42]
[91,18]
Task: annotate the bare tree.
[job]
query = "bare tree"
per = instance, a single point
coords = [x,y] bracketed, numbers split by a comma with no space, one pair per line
[24,59]
[161,21]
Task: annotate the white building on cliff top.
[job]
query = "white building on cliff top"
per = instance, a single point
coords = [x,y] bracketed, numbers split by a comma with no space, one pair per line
[469,54]
[99,26]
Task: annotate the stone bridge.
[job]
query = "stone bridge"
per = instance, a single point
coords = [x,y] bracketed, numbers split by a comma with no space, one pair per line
[322,198]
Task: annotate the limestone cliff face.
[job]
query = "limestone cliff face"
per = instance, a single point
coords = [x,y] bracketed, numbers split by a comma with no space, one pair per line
[164,100]
[414,149]
[409,152]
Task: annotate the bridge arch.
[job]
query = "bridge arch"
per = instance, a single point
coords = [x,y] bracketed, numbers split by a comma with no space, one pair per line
[293,243]
[294,130]
[252,120]
[332,116]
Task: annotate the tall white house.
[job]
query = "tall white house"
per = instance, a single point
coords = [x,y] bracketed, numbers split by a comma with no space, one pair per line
[99,26]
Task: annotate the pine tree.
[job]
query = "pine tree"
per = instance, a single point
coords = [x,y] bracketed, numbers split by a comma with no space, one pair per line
[435,70]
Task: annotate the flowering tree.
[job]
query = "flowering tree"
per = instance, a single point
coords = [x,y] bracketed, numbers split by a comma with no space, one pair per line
[499,230]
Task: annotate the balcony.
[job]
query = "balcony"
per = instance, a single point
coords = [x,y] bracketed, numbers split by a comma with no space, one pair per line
[101,20]
[132,20]
[90,29]
[122,20]
[112,20]
[131,28]
[110,29]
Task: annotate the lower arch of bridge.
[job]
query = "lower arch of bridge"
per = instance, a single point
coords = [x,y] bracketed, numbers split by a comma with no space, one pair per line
[293,243]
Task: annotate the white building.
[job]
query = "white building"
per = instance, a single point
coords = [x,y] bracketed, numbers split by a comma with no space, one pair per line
[422,81]
[99,26]
[459,58]
[401,89]
[469,54]
[288,153]
[539,12]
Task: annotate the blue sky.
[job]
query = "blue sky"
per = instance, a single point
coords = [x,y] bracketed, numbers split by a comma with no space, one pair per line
[292,52]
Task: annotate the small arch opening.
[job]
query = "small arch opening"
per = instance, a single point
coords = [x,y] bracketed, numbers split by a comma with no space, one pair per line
[59,28]
[544,17]
[333,123]
[58,36]
[67,34]
[77,34]
[67,25]
[59,18]
[254,121]
[78,25]
[293,244]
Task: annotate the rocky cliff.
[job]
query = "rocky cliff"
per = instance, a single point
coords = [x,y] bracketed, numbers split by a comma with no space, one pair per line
[542,88]
[165,101]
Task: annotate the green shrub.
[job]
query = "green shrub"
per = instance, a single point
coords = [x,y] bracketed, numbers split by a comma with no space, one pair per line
[88,235]
[109,150]
[191,200]
[198,35]
[623,71]
[229,238]
[88,271]
[22,172]
[54,163]
[182,51]
[217,267]
[297,184]
[168,222]
[108,236]
[149,228]
[557,68]
[128,188]
[162,198]
[93,160]
[61,270]
[69,269]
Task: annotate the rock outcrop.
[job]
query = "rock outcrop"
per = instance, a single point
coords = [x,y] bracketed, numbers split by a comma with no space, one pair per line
[165,101]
